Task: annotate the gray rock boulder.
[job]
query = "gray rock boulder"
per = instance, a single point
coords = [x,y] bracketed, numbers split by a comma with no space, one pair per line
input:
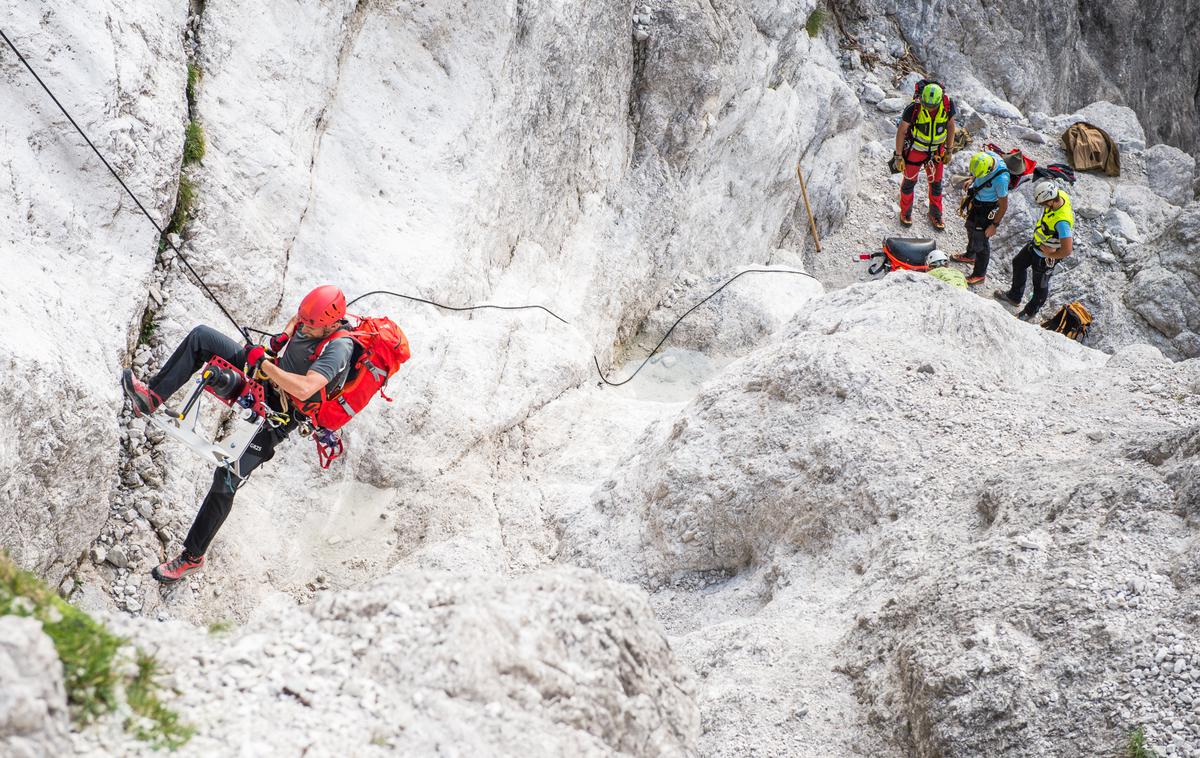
[970,119]
[871,94]
[33,703]
[1091,195]
[1149,211]
[694,492]
[1170,173]
[1164,291]
[777,464]
[557,662]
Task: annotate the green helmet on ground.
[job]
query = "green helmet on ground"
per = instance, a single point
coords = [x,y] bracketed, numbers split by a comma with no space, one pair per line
[982,164]
[931,94]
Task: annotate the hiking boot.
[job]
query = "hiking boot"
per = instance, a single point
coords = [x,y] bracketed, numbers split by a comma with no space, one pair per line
[1026,317]
[1004,297]
[963,258]
[935,218]
[906,218]
[142,398]
[172,571]
[974,280]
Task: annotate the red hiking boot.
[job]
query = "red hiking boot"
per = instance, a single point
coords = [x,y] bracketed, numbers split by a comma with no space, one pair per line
[906,218]
[935,218]
[974,280]
[142,398]
[963,258]
[172,571]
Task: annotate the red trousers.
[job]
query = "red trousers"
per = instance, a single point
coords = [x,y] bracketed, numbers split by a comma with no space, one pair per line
[913,161]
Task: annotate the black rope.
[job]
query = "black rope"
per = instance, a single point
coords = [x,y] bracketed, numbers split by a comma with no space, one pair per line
[685,315]
[162,234]
[460,307]
[595,360]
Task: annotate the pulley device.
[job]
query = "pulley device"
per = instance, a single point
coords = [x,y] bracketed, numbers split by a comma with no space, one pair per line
[232,388]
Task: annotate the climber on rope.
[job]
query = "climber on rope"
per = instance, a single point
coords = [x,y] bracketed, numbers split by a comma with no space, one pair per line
[985,202]
[311,358]
[938,264]
[1052,242]
[923,138]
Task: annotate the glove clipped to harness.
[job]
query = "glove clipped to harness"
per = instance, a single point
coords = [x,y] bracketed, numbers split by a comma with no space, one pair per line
[277,342]
[896,164]
[255,355]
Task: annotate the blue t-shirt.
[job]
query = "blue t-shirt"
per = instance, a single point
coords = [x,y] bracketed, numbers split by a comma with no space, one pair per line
[998,186]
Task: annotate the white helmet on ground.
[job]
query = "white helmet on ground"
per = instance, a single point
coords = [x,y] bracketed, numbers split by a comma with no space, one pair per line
[936,258]
[1045,191]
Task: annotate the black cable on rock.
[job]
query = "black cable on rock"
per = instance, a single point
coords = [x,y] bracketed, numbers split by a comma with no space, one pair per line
[685,315]
[460,307]
[161,233]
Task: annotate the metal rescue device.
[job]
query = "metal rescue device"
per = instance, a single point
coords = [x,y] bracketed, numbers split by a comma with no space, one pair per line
[234,389]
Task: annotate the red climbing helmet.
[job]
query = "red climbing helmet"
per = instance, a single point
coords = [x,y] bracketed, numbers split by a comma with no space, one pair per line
[324,306]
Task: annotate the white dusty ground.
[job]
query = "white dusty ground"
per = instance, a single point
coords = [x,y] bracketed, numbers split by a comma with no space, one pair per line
[884,519]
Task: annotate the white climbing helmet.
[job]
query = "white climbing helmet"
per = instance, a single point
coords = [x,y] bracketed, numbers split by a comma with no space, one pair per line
[1045,191]
[936,258]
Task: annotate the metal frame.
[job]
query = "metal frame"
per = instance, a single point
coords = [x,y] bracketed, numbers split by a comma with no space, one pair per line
[185,427]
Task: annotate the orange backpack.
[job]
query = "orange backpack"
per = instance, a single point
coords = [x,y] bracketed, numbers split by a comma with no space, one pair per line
[379,350]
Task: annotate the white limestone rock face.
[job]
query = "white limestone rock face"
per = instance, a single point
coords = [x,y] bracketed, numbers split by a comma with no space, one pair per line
[844,441]
[770,456]
[378,150]
[763,302]
[33,704]
[976,657]
[558,662]
[78,254]
[1171,173]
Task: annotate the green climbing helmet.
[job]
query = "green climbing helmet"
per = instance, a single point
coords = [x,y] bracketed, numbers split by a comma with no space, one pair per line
[931,94]
[982,164]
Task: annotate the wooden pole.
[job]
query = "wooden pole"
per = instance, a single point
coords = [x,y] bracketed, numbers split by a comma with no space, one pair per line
[811,221]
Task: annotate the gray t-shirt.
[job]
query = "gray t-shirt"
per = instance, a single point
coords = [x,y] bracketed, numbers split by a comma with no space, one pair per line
[333,363]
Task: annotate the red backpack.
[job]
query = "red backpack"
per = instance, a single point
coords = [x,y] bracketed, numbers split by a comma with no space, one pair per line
[379,349]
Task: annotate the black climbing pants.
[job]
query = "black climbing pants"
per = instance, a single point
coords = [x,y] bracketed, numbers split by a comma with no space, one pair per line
[219,500]
[979,247]
[1042,270]
[201,344]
